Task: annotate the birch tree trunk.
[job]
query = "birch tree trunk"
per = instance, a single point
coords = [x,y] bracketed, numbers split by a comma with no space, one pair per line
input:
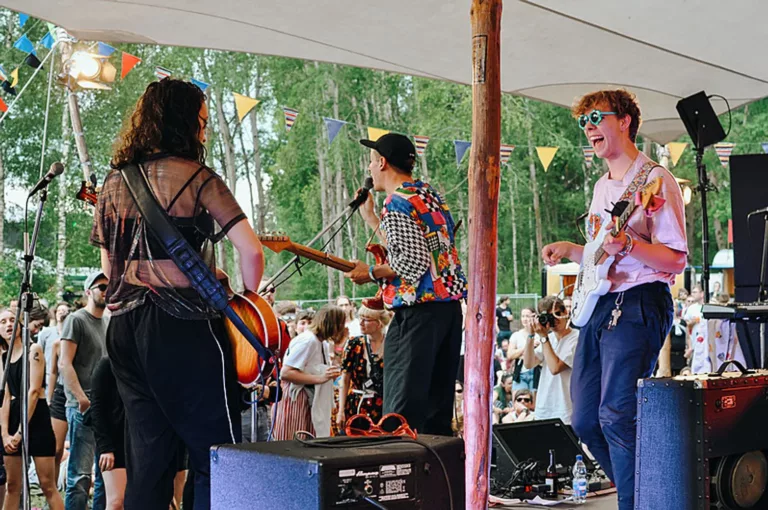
[61,206]
[338,185]
[534,184]
[229,166]
[2,205]
[512,191]
[258,220]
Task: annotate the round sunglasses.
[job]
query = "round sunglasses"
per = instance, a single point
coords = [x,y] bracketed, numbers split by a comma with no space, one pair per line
[595,117]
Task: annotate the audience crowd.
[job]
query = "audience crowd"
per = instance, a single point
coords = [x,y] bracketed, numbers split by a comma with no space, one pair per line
[332,370]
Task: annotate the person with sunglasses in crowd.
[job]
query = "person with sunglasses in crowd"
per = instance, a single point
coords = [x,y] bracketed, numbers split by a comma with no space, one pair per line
[522,408]
[621,341]
[83,339]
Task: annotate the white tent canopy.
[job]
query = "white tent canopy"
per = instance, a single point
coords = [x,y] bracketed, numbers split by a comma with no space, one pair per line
[552,50]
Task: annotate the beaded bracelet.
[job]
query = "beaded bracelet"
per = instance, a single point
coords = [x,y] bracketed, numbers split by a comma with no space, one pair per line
[627,246]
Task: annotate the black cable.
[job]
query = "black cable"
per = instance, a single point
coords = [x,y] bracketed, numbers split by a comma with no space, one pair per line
[376,442]
[730,120]
[361,496]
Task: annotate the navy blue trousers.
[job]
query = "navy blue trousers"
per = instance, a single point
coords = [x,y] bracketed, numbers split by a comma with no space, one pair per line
[606,367]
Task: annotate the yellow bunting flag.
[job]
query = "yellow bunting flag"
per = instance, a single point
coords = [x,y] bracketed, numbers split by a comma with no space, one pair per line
[376,133]
[676,150]
[15,76]
[243,105]
[546,154]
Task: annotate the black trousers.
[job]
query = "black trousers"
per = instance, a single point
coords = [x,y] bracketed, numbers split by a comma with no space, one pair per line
[421,359]
[177,380]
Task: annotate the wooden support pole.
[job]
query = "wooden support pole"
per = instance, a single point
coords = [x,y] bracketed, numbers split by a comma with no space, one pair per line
[484,181]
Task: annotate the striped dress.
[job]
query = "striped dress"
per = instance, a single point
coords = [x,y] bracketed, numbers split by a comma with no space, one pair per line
[292,415]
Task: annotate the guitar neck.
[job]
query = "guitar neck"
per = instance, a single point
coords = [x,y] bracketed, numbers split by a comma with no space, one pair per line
[621,223]
[322,257]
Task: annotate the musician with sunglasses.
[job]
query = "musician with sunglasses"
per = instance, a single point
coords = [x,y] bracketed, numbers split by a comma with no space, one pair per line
[621,341]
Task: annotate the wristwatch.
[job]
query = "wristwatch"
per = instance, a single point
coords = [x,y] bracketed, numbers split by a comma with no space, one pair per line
[544,339]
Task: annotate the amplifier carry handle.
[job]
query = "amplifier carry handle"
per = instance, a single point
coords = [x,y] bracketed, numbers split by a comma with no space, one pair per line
[735,363]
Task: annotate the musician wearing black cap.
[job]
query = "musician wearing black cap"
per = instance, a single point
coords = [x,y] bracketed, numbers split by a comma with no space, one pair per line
[423,283]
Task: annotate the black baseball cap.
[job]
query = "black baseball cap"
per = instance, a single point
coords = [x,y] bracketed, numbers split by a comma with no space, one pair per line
[397,149]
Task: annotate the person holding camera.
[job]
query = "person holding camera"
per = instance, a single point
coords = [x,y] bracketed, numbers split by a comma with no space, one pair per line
[557,347]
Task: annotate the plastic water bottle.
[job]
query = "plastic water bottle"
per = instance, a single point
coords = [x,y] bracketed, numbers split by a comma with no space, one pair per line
[579,481]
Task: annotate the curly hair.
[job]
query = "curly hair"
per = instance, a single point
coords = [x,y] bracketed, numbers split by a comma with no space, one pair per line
[166,119]
[620,101]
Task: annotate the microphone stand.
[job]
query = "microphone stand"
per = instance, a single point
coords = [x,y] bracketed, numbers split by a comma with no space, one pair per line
[26,300]
[351,208]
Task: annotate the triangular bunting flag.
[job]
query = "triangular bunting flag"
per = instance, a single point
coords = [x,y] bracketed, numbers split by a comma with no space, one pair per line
[546,155]
[676,150]
[52,30]
[3,106]
[376,133]
[8,89]
[333,126]
[3,74]
[25,45]
[104,49]
[32,61]
[589,155]
[505,152]
[162,72]
[48,41]
[129,62]
[243,105]
[23,18]
[15,77]
[460,146]
[290,117]
[723,151]
[421,144]
[199,84]
[765,147]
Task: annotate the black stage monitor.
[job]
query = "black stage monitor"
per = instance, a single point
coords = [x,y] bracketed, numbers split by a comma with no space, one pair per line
[533,440]
[700,120]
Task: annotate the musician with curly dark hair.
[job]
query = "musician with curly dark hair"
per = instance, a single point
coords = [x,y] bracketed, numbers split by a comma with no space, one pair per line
[169,350]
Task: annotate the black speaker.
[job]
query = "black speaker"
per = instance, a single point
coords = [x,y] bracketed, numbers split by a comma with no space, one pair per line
[515,443]
[700,120]
[749,191]
[333,473]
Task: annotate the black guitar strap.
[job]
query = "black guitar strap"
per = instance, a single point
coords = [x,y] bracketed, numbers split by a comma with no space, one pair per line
[183,255]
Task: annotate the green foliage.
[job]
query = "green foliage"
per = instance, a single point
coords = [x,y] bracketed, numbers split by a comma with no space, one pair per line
[290,161]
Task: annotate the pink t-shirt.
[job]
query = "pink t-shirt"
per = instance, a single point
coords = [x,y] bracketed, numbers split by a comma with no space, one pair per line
[665,226]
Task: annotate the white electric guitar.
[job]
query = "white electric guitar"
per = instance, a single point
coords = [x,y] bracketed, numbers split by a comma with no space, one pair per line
[592,281]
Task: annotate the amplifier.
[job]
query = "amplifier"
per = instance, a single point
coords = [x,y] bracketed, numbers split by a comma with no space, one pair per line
[701,442]
[334,472]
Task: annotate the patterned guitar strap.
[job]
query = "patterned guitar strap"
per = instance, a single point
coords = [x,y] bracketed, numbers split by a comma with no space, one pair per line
[637,183]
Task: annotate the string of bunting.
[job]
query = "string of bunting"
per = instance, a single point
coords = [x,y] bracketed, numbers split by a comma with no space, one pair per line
[244,104]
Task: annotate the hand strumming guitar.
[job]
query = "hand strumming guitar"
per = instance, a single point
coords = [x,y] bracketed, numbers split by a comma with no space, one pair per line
[613,245]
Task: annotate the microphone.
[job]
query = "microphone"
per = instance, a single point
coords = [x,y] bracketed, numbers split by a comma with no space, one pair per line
[56,169]
[362,195]
[764,210]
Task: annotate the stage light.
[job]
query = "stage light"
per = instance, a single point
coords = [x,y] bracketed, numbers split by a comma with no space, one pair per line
[91,71]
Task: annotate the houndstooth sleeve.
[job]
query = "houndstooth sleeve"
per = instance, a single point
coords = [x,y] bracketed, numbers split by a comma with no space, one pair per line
[407,249]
